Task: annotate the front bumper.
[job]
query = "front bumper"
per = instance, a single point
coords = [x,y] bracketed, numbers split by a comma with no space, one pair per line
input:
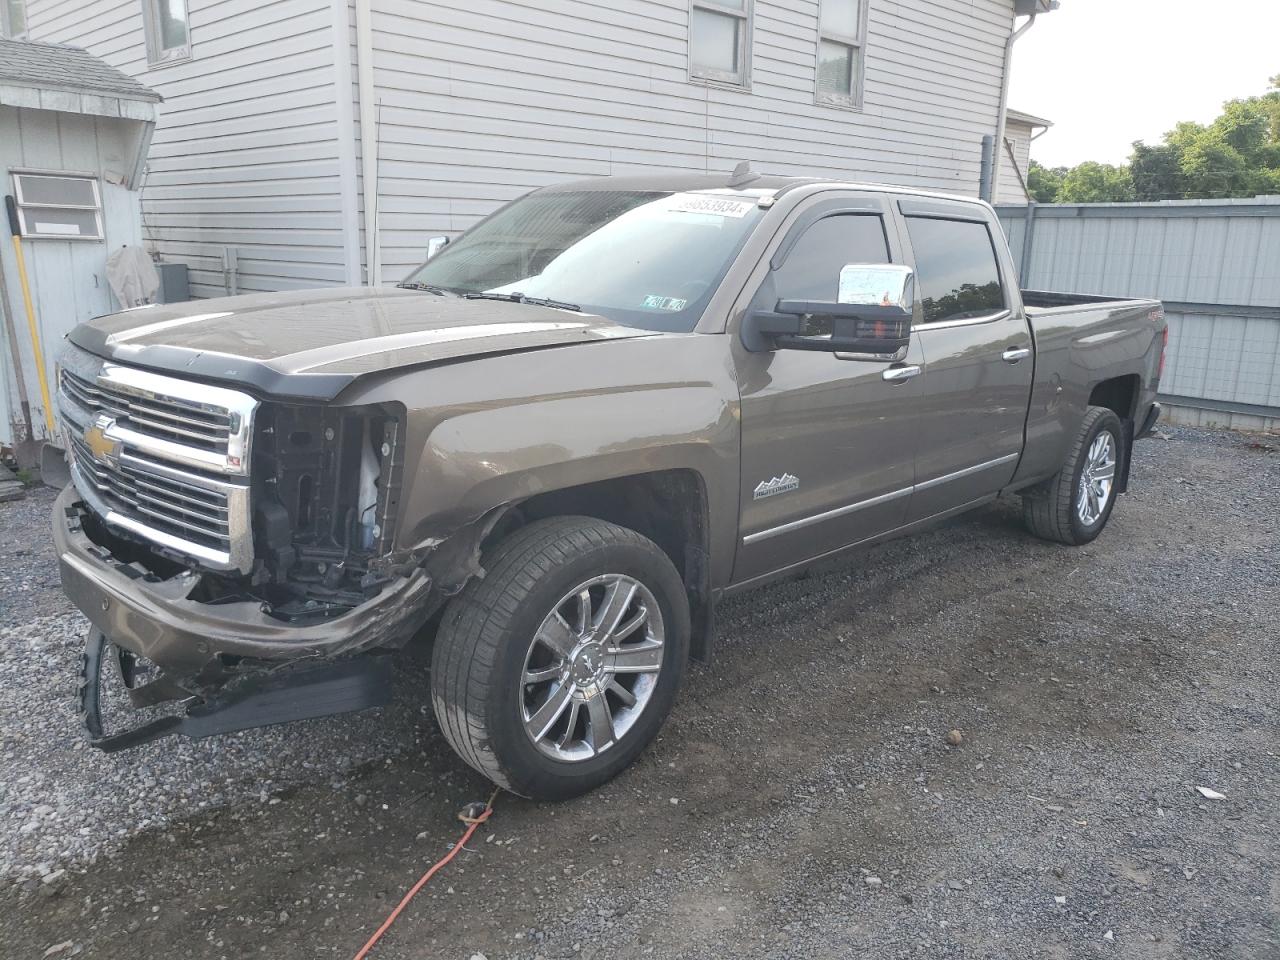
[158,620]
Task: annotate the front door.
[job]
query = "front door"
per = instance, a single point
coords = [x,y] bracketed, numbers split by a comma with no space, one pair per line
[827,459]
[978,358]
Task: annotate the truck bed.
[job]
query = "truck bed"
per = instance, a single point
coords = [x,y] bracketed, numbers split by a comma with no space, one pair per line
[1042,301]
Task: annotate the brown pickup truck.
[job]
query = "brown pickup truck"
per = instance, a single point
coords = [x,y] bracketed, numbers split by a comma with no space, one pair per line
[556,446]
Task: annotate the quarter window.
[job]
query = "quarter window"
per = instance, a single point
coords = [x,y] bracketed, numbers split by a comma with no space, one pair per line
[58,207]
[168,33]
[13,19]
[812,268]
[720,40]
[956,271]
[841,25]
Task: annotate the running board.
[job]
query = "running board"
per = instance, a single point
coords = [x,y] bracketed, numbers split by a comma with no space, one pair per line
[297,694]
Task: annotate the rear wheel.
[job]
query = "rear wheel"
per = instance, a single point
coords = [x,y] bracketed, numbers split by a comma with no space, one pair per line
[554,671]
[1074,505]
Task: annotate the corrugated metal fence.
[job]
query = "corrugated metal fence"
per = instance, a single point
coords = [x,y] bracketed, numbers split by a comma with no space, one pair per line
[1215,264]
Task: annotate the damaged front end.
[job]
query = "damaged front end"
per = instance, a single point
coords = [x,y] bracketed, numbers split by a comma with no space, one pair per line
[234,556]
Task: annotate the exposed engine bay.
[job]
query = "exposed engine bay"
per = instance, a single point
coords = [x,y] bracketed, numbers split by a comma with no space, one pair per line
[325,489]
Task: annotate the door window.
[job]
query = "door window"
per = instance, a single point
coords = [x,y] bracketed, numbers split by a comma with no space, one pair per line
[956,269]
[812,268]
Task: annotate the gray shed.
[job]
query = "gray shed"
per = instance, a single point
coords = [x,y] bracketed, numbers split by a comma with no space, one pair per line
[74,135]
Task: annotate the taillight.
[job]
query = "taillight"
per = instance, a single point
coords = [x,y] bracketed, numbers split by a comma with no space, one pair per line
[1164,348]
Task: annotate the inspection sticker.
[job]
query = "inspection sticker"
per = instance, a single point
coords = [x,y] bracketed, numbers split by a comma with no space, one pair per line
[714,206]
[653,302]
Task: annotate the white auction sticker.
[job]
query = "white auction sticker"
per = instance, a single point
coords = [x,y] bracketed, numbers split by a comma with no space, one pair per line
[713,206]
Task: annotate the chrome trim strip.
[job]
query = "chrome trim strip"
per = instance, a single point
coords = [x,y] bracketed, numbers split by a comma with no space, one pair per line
[874,501]
[976,468]
[965,322]
[828,515]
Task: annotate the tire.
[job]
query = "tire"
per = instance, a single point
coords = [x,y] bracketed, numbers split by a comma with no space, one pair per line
[1052,510]
[486,654]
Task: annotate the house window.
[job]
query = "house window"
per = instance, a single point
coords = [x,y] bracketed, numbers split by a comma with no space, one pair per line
[720,40]
[841,27]
[13,19]
[168,36]
[58,207]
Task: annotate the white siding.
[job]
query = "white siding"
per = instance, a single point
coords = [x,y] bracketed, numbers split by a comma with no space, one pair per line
[245,153]
[1017,157]
[67,277]
[484,101]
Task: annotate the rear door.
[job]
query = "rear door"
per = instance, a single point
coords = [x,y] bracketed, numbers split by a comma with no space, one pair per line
[978,356]
[827,454]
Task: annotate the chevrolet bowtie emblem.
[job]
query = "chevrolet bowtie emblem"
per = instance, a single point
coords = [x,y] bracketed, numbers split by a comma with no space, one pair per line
[100,445]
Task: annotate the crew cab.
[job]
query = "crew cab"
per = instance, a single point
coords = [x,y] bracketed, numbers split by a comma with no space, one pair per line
[554,448]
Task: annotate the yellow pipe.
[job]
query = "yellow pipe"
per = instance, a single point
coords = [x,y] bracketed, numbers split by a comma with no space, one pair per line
[35,338]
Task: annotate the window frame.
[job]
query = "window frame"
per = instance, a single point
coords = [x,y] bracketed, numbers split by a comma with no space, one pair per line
[996,313]
[157,54]
[6,25]
[858,43]
[23,205]
[746,24]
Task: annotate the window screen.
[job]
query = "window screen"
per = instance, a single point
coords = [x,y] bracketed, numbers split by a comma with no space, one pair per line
[718,39]
[812,268]
[840,27]
[956,270]
[58,207]
[168,36]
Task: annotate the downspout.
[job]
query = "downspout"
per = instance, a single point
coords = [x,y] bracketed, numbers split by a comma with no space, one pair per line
[348,178]
[1004,105]
[368,142]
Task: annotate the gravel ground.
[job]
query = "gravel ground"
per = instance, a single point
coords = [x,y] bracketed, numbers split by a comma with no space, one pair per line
[804,800]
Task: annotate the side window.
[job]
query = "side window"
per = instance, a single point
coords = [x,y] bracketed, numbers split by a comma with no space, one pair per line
[168,35]
[956,270]
[812,268]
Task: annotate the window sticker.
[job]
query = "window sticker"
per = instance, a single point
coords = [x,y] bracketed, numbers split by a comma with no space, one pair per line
[654,302]
[712,206]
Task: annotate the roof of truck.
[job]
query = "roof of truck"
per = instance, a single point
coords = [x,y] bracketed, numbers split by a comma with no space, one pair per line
[751,184]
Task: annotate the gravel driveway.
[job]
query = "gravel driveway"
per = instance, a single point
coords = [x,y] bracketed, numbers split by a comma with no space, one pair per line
[804,801]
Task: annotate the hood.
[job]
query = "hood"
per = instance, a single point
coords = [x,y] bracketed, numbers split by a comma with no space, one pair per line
[312,344]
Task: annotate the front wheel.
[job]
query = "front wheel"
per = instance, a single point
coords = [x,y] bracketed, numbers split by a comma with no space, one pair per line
[1073,506]
[554,671]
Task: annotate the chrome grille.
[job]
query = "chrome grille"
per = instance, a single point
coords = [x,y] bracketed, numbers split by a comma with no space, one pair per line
[161,458]
[200,425]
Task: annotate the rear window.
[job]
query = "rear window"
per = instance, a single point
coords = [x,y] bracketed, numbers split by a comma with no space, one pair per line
[955,269]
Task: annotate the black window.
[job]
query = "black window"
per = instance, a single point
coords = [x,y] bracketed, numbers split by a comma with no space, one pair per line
[955,268]
[812,268]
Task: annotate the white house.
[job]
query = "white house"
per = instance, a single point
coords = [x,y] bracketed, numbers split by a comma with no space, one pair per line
[1019,130]
[307,142]
[73,140]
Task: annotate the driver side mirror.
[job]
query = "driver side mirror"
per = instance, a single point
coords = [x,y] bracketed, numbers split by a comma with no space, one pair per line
[871,318]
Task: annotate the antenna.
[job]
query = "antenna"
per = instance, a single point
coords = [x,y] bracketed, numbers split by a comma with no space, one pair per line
[743,174]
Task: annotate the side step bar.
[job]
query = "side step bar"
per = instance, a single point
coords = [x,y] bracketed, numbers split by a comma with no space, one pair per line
[297,694]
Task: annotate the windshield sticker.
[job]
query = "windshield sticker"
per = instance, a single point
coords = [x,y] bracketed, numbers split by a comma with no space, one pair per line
[654,302]
[713,206]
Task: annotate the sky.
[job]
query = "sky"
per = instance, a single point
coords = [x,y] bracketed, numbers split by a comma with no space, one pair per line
[1108,72]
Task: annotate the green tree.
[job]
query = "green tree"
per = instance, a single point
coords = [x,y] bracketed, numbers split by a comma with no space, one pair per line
[1156,172]
[1044,183]
[1092,182]
[1237,155]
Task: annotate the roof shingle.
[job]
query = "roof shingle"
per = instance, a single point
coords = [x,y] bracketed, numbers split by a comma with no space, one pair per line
[50,66]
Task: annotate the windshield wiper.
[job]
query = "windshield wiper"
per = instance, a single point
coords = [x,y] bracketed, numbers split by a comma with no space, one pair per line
[428,287]
[521,298]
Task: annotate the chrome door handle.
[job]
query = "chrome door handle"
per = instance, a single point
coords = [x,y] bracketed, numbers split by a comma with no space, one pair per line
[1014,354]
[901,374]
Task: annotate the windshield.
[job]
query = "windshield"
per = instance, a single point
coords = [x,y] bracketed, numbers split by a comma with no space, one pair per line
[642,258]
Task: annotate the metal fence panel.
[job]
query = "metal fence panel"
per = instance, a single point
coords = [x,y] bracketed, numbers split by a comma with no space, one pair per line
[1216,264]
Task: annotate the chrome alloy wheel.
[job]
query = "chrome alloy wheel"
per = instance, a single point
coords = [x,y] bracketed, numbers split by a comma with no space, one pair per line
[592,667]
[1096,479]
